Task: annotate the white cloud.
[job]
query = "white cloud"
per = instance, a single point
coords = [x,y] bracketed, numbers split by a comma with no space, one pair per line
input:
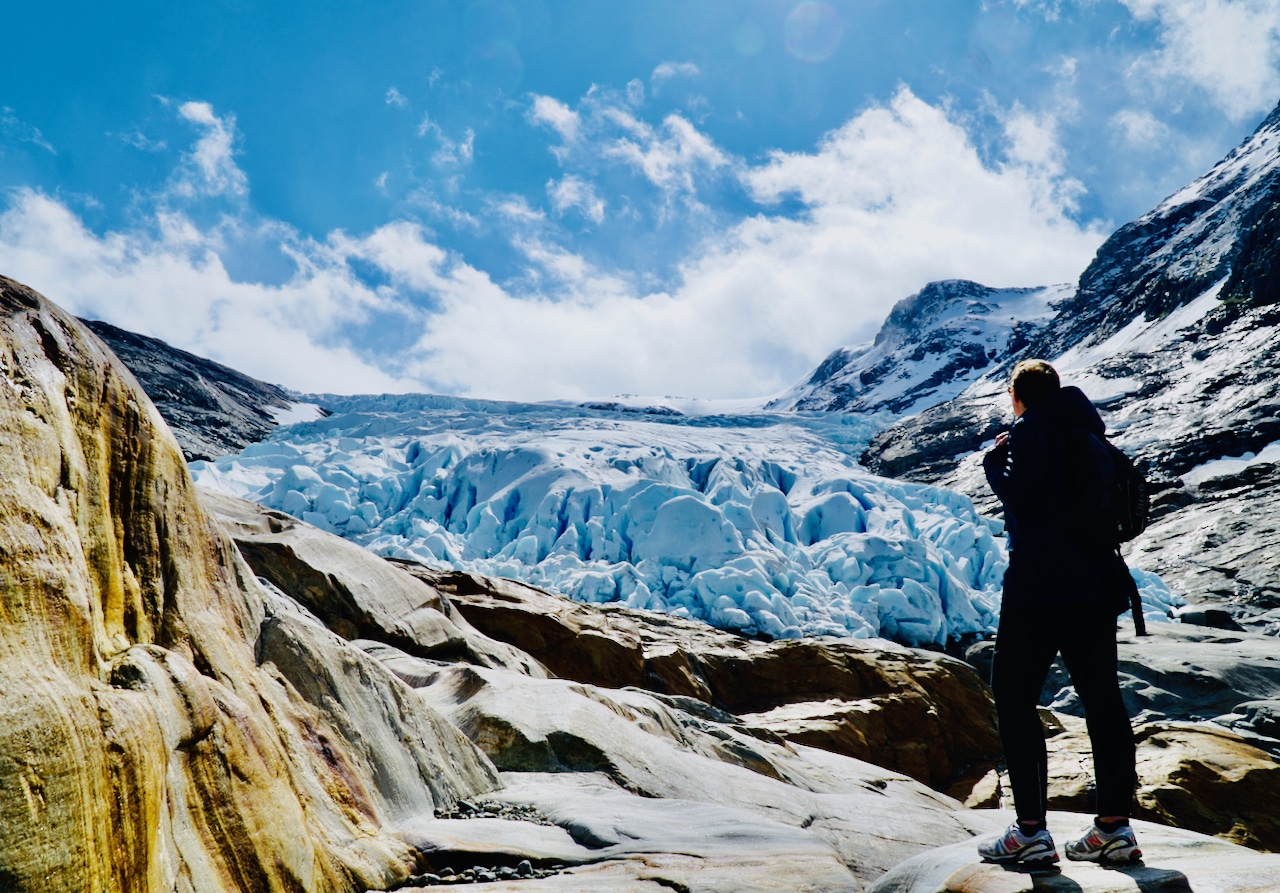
[450,152]
[140,141]
[668,70]
[635,92]
[210,168]
[897,197]
[14,128]
[1228,48]
[573,192]
[556,115]
[396,98]
[671,158]
[1140,128]
[170,282]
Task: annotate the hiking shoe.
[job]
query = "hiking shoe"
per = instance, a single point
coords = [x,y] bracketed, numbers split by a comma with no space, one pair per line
[1015,848]
[1107,847]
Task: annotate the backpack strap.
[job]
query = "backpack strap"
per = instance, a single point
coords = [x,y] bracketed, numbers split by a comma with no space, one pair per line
[1135,598]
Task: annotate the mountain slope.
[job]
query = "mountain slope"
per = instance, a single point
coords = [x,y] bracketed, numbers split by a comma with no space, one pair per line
[933,344]
[213,410]
[1174,331]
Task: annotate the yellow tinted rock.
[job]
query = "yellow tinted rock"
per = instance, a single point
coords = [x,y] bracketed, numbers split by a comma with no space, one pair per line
[143,747]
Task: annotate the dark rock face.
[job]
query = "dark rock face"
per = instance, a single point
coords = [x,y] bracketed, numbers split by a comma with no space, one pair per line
[932,346]
[1175,332]
[212,410]
[1214,228]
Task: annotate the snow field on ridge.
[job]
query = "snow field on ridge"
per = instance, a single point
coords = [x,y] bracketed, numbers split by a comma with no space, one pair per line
[760,523]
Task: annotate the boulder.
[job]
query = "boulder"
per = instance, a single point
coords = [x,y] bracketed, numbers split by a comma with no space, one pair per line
[1195,776]
[354,592]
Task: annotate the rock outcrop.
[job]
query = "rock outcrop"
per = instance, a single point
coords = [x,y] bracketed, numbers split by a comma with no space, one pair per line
[172,719]
[1200,777]
[1174,862]
[212,410]
[165,722]
[933,344]
[919,713]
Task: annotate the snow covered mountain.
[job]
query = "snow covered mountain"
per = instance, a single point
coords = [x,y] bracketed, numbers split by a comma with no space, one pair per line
[933,345]
[1174,329]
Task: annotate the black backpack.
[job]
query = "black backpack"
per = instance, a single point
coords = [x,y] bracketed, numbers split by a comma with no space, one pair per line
[1114,491]
[1130,503]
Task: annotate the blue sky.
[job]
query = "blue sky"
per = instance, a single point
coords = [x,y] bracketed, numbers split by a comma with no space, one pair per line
[545,199]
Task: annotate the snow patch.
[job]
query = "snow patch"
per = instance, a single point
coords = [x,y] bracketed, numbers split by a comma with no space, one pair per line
[296,412]
[1230,465]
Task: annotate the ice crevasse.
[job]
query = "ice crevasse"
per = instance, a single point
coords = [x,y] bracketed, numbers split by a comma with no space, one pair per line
[763,524]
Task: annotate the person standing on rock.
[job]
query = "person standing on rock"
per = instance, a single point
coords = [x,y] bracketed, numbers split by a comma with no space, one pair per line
[1061,594]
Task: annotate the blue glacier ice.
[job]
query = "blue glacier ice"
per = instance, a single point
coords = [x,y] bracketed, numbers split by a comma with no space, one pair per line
[759,523]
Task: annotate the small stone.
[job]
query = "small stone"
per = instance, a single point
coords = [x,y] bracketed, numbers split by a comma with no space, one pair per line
[506,872]
[525,868]
[485,876]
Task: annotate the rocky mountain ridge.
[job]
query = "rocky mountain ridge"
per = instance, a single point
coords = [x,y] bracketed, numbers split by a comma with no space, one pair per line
[933,345]
[1174,331]
[212,409]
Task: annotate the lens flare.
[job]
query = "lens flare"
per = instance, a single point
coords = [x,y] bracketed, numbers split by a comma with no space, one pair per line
[813,31]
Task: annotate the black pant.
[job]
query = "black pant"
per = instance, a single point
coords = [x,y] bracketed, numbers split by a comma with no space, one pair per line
[1026,644]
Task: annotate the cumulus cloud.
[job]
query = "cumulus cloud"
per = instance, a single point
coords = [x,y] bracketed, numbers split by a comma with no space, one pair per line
[668,70]
[168,276]
[1228,48]
[171,283]
[572,192]
[555,114]
[210,168]
[396,98]
[670,157]
[449,152]
[1140,128]
[896,197]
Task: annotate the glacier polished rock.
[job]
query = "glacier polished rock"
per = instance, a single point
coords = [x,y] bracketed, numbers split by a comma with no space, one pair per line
[143,744]
[355,593]
[916,712]
[1174,861]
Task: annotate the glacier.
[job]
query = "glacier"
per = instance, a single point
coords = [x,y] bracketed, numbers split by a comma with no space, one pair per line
[761,523]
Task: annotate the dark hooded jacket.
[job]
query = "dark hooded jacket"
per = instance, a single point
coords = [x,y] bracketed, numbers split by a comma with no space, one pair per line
[1052,483]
